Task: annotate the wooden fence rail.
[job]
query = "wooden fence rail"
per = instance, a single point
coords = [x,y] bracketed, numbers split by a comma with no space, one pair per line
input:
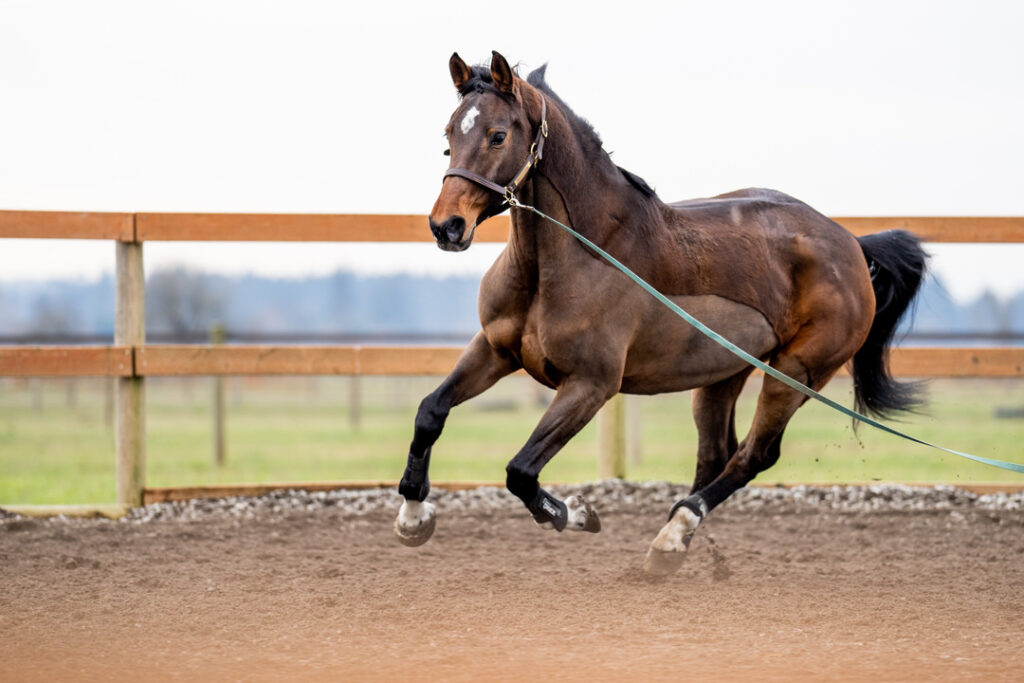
[222,227]
[170,360]
[131,360]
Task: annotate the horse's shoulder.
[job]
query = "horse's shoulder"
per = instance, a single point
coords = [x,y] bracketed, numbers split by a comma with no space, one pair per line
[504,295]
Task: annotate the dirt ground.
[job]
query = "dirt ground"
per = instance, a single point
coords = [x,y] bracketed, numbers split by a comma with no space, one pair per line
[776,594]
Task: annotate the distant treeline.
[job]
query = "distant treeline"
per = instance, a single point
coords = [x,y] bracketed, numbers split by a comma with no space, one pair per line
[186,304]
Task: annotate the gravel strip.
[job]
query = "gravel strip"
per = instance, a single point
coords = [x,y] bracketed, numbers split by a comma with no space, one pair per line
[608,496]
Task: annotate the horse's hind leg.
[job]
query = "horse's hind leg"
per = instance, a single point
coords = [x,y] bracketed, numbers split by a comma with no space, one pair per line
[575,403]
[714,412]
[479,367]
[760,450]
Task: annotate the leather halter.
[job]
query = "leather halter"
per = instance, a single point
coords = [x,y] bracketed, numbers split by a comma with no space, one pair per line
[536,154]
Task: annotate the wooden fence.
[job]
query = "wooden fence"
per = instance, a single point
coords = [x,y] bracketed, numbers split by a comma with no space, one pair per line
[131,360]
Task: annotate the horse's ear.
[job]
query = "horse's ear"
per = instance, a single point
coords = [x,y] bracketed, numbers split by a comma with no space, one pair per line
[501,73]
[461,73]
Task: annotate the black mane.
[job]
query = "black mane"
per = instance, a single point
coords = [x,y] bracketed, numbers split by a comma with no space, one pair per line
[584,129]
[481,82]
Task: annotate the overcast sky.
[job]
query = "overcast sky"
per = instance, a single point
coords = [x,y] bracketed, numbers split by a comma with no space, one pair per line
[859,108]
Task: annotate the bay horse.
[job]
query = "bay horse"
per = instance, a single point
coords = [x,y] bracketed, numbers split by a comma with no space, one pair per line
[777,278]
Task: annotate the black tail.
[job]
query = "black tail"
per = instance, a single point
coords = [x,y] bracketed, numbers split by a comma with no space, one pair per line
[897,263]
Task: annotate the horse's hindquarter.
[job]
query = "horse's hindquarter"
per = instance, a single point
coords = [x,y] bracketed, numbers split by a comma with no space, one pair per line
[775,254]
[758,267]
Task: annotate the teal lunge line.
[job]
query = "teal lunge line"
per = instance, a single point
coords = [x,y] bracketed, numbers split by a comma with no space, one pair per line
[757,363]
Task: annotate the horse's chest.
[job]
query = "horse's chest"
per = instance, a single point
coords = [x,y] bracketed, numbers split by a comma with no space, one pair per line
[533,336]
[536,357]
[517,334]
[557,328]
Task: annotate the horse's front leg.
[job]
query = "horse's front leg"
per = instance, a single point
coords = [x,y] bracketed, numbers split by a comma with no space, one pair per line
[575,403]
[479,367]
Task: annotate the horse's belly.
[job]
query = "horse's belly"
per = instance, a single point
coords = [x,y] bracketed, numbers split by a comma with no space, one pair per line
[668,354]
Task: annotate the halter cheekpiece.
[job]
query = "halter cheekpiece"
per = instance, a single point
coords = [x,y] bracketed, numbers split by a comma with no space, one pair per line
[536,154]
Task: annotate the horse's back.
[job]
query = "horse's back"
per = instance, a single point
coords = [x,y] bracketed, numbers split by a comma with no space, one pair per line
[769,215]
[748,194]
[743,207]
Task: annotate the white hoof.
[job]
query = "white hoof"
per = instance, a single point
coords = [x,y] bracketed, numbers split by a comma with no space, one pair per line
[415,523]
[581,516]
[668,549]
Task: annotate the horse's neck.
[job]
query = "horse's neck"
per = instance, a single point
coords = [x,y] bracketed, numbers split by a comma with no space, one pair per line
[588,194]
[536,245]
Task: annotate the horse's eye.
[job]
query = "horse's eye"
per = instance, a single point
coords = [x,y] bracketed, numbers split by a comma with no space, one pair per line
[497,138]
[447,152]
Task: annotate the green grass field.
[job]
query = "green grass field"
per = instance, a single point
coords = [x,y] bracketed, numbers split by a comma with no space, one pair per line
[57,445]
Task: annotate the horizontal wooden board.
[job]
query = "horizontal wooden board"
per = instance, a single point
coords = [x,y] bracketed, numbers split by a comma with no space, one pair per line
[958,362]
[407,360]
[300,227]
[68,225]
[413,228]
[993,362]
[164,494]
[200,359]
[196,359]
[65,361]
[942,228]
[403,227]
[981,488]
[86,511]
[439,360]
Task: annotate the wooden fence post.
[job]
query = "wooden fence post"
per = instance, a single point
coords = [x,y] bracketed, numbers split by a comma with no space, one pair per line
[130,400]
[217,336]
[634,430]
[611,439]
[37,394]
[355,402]
[108,401]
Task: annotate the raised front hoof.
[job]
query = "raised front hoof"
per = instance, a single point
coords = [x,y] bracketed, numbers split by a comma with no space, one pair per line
[415,523]
[581,516]
[659,563]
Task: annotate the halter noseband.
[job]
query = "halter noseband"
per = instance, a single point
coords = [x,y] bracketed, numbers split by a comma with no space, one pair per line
[536,154]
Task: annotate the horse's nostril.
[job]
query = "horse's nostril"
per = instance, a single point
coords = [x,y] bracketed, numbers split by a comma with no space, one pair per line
[435,229]
[449,233]
[454,228]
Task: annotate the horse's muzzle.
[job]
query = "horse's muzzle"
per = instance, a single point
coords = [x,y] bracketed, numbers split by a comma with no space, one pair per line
[449,234]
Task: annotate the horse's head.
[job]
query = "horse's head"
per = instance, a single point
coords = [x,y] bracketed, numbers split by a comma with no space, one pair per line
[489,137]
